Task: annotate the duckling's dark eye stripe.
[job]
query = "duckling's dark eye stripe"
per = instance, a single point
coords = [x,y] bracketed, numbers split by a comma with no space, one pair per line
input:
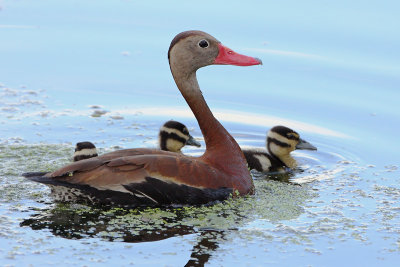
[277,142]
[176,137]
[164,136]
[85,153]
[292,137]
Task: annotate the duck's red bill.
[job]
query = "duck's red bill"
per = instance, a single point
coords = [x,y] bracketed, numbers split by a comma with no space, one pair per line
[227,56]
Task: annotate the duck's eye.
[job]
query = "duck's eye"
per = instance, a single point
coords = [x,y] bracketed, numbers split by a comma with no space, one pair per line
[203,44]
[291,136]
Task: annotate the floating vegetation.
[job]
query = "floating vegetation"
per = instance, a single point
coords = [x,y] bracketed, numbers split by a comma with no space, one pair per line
[135,224]
[98,113]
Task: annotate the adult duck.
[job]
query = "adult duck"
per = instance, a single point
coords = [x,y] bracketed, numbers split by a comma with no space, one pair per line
[135,177]
[281,141]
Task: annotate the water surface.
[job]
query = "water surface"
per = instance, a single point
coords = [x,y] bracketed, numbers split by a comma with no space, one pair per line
[97,70]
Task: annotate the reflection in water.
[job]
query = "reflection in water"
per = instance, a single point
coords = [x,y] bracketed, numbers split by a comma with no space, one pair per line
[76,222]
[210,223]
[288,176]
[207,243]
[245,118]
[275,176]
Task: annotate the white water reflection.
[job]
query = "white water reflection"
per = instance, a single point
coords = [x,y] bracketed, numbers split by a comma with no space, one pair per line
[239,117]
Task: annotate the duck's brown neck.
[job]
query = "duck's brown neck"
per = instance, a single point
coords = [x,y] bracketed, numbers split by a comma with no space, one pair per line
[220,145]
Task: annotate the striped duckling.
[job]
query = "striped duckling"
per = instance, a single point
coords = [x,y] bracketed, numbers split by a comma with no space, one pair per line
[84,150]
[173,136]
[280,141]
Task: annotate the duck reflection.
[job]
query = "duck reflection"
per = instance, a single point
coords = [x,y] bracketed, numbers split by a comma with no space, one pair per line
[274,201]
[78,221]
[287,176]
[207,241]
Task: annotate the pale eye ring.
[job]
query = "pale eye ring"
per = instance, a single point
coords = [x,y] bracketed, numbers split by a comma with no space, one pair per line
[203,43]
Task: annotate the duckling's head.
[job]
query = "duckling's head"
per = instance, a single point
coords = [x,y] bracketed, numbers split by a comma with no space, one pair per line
[175,135]
[84,150]
[282,140]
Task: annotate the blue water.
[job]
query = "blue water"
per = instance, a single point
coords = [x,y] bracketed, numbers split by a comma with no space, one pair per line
[330,71]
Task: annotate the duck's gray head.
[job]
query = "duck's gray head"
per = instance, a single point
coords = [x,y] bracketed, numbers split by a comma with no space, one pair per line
[174,136]
[191,50]
[282,140]
[84,150]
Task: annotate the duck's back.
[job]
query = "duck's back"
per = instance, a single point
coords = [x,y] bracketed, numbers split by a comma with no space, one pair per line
[138,177]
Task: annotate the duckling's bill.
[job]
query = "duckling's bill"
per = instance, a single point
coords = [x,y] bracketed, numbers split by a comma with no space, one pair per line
[192,142]
[303,144]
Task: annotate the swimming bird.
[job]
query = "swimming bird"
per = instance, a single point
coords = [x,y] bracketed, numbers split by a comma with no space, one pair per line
[173,136]
[280,142]
[84,150]
[151,177]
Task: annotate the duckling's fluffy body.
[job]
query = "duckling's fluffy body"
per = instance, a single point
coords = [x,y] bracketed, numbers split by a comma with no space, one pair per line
[281,141]
[259,159]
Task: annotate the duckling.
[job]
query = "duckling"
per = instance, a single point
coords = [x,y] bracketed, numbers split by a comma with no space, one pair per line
[173,136]
[280,142]
[84,150]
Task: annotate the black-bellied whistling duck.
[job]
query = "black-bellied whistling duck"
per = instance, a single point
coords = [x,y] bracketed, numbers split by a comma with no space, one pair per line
[280,142]
[173,136]
[143,176]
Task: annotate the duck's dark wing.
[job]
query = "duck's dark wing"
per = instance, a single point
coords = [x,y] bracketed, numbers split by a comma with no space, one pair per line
[142,177]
